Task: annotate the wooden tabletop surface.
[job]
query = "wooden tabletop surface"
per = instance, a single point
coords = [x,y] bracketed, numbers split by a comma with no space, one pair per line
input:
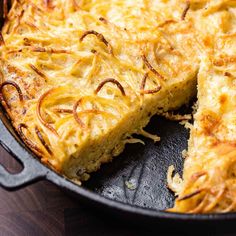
[43,209]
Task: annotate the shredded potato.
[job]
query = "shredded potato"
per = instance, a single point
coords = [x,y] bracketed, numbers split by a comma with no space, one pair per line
[174,182]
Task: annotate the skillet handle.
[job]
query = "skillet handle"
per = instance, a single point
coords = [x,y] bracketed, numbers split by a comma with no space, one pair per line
[31,173]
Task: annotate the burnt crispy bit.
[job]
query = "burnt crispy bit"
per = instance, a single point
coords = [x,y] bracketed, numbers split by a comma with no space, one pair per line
[186,9]
[29,143]
[228,74]
[27,42]
[99,36]
[150,67]
[102,19]
[149,91]
[39,114]
[110,80]
[40,136]
[15,85]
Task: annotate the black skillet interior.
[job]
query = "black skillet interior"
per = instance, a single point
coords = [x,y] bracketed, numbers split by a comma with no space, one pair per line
[134,184]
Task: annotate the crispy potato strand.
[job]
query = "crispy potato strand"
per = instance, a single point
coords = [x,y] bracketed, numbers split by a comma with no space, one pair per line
[187,7]
[78,120]
[62,110]
[42,140]
[149,91]
[150,67]
[167,22]
[38,112]
[111,80]
[190,195]
[37,71]
[15,85]
[25,139]
[99,36]
[49,50]
[5,9]
[2,42]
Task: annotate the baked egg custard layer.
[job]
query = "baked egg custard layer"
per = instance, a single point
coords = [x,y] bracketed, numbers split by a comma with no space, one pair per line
[79,78]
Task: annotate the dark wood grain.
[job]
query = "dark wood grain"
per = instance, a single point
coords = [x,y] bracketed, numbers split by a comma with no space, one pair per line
[34,210]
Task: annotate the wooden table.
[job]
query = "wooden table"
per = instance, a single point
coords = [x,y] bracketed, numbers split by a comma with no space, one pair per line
[43,209]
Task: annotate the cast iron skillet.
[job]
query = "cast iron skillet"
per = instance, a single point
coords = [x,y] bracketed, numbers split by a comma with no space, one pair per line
[144,168]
